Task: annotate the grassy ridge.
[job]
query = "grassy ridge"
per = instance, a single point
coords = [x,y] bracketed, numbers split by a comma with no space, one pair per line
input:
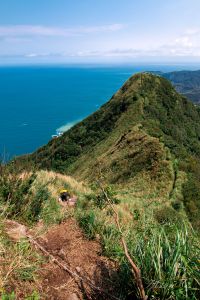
[110,141]
[145,145]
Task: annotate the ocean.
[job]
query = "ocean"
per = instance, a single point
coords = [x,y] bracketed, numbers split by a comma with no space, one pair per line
[36,101]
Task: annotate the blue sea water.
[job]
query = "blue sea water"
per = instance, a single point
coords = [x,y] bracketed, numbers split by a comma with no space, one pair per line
[35,101]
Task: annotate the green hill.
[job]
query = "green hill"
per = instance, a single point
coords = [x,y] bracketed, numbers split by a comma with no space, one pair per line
[146,133]
[143,147]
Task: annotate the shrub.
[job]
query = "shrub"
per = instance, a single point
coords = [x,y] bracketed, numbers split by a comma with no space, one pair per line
[166,215]
[177,205]
[99,199]
[15,190]
[42,195]
[191,199]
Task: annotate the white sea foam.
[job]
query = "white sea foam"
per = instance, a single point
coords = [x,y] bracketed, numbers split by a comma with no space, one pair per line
[67,126]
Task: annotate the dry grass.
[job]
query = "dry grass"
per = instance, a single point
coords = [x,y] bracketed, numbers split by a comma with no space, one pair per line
[19,264]
[55,182]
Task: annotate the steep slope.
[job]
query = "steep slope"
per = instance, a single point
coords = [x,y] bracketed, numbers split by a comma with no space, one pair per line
[186,83]
[146,136]
[145,99]
[144,147]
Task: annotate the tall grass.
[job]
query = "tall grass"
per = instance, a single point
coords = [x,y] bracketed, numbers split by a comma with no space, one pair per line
[169,260]
[167,253]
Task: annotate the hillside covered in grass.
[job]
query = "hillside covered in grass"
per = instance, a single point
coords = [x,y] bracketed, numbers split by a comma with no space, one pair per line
[139,154]
[159,239]
[147,136]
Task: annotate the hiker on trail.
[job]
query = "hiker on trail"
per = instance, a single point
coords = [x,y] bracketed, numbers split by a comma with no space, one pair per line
[66,198]
[64,195]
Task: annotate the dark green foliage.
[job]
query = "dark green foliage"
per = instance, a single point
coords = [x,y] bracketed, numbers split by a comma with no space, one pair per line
[37,201]
[177,205]
[186,83]
[166,215]
[15,190]
[98,197]
[177,119]
[89,224]
[136,214]
[21,201]
[191,194]
[79,139]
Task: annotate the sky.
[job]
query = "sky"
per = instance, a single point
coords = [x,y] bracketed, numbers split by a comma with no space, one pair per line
[88,31]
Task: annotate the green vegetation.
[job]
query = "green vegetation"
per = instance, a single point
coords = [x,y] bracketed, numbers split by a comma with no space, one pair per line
[27,198]
[140,132]
[169,261]
[11,296]
[23,197]
[160,241]
[144,144]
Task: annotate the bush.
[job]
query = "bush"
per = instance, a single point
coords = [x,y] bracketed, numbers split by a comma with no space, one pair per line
[191,199]
[177,205]
[33,212]
[15,190]
[166,215]
[99,199]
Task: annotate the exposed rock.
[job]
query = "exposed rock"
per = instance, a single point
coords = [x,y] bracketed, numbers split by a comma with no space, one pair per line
[15,230]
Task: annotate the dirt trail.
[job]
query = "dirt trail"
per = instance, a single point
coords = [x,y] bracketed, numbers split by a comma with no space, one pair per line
[67,242]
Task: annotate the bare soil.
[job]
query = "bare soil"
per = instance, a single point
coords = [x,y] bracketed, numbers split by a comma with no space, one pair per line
[67,243]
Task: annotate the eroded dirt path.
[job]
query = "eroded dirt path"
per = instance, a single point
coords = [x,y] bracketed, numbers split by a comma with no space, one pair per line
[67,243]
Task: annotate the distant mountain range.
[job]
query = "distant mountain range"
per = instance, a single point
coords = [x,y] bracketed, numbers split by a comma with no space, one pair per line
[185,82]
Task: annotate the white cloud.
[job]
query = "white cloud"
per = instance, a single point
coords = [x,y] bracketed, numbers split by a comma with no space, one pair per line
[163,51]
[184,41]
[192,31]
[31,55]
[29,30]
[186,44]
[39,55]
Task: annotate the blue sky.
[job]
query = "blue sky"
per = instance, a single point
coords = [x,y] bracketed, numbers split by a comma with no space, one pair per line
[73,31]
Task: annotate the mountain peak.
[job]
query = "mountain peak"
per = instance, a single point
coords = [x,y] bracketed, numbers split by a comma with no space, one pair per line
[133,140]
